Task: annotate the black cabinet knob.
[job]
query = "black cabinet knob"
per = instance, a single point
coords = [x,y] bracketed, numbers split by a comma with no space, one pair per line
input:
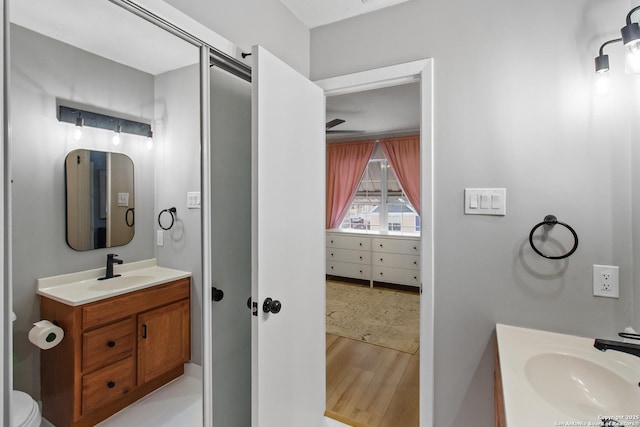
[271,306]
[111,344]
[111,384]
[216,294]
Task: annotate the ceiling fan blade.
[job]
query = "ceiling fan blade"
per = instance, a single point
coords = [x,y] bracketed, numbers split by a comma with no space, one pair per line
[334,122]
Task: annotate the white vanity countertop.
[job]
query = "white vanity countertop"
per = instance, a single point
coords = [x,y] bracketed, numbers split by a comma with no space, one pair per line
[84,287]
[551,379]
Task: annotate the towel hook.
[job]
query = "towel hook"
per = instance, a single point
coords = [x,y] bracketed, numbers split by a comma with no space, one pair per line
[549,222]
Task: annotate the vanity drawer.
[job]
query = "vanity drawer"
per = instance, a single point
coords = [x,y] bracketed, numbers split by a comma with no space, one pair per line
[101,312]
[397,246]
[108,344]
[107,384]
[347,255]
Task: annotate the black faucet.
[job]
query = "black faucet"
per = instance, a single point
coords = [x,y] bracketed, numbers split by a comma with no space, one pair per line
[111,259]
[624,347]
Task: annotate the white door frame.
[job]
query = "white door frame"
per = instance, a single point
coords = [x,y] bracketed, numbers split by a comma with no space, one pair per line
[415,71]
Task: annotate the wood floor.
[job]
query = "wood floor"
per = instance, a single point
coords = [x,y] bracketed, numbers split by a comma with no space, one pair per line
[371,386]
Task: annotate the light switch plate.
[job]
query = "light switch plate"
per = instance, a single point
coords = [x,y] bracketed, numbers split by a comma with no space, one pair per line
[123,199]
[193,200]
[485,201]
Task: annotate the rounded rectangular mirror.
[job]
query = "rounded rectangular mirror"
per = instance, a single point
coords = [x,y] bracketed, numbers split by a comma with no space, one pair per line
[100,199]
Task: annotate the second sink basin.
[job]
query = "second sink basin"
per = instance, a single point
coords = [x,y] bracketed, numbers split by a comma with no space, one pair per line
[579,387]
[121,282]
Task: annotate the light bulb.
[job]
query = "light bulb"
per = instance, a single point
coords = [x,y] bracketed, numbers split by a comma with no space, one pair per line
[77,134]
[603,83]
[632,58]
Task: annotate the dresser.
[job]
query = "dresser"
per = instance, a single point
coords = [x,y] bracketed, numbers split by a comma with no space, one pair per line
[375,258]
[114,352]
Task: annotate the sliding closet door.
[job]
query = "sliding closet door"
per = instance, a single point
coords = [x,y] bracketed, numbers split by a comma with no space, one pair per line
[288,349]
[231,248]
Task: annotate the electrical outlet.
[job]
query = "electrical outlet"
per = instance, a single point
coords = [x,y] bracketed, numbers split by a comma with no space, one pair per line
[159,238]
[605,281]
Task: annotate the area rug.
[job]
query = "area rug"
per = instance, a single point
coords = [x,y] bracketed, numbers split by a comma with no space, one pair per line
[375,315]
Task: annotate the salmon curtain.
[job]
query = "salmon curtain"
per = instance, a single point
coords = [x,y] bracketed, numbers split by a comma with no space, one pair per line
[346,163]
[404,156]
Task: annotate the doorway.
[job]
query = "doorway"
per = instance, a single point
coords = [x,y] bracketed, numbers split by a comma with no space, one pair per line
[417,71]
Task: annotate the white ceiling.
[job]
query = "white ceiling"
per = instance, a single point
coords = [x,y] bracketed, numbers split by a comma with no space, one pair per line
[314,13]
[379,112]
[107,30]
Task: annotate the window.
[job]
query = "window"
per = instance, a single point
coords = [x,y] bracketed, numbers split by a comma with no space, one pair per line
[379,203]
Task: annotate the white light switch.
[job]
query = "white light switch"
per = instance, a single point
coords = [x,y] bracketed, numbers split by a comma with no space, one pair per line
[193,200]
[123,199]
[485,201]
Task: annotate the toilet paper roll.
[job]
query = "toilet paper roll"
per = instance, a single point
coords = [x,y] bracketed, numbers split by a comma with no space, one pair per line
[45,334]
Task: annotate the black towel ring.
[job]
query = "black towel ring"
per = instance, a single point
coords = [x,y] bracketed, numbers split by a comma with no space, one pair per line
[133,217]
[550,221]
[171,211]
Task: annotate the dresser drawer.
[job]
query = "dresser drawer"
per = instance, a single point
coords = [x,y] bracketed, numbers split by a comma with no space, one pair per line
[347,255]
[383,259]
[396,275]
[107,384]
[108,344]
[348,242]
[355,271]
[397,246]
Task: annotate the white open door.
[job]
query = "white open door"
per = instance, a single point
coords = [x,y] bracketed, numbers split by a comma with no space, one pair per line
[288,222]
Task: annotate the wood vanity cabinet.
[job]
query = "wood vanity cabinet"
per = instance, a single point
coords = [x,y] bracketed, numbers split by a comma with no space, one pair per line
[114,352]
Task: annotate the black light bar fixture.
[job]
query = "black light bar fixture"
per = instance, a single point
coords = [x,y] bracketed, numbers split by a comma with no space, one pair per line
[83,118]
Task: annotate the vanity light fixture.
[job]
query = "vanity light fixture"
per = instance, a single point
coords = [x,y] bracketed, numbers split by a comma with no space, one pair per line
[83,118]
[631,41]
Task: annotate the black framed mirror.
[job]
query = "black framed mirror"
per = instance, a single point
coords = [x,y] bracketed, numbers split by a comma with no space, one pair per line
[100,199]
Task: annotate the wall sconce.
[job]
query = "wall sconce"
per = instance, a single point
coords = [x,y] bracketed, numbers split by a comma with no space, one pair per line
[631,40]
[603,80]
[83,118]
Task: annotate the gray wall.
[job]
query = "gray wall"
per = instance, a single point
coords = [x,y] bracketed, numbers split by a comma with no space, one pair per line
[248,22]
[43,70]
[177,157]
[514,108]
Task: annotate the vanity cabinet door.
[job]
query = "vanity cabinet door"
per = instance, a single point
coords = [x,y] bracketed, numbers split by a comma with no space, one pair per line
[163,340]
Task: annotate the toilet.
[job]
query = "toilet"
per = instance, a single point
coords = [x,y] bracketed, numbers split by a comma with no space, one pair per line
[25,410]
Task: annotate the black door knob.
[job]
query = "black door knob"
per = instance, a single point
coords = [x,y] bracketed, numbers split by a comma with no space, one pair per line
[217,294]
[271,306]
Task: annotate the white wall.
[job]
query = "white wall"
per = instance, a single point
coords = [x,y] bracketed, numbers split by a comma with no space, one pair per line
[43,70]
[177,166]
[514,108]
[249,22]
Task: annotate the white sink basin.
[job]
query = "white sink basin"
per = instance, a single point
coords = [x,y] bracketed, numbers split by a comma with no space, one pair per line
[551,379]
[84,287]
[121,282]
[579,387]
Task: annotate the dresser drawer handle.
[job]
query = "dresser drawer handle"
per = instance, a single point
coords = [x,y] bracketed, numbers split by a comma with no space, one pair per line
[381,260]
[360,271]
[332,267]
[381,274]
[111,384]
[332,255]
[111,344]
[415,248]
[415,262]
[360,258]
[415,277]
[332,242]
[381,245]
[360,244]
